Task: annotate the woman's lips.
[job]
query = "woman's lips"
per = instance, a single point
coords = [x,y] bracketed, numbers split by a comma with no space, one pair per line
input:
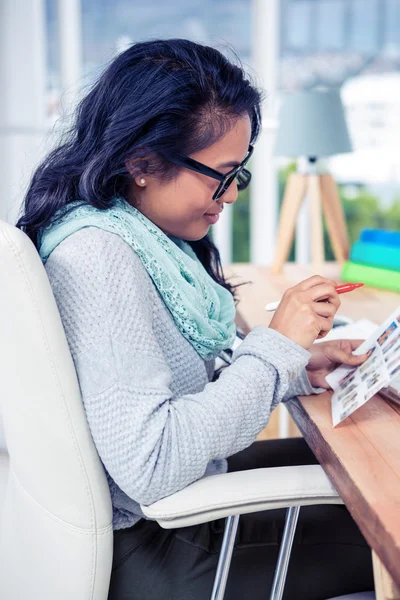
[212,218]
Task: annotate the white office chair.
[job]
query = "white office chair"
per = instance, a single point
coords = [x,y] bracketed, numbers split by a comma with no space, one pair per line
[56,519]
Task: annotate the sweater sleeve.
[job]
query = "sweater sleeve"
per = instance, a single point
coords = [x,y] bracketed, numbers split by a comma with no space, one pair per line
[152,442]
[301,387]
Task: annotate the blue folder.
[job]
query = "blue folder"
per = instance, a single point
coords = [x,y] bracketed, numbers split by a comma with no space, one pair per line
[380,236]
[376,255]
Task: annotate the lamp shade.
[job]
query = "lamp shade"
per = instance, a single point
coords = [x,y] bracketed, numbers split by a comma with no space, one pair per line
[312,124]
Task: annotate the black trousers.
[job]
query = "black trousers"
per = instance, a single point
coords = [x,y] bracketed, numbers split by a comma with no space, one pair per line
[329,556]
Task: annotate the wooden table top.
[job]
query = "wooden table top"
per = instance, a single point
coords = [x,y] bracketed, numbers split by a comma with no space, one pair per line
[362,454]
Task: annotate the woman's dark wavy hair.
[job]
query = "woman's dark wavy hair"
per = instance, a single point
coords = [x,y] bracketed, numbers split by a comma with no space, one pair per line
[156,97]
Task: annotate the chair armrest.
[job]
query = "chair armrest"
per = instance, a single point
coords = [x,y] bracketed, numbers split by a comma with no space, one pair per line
[243,492]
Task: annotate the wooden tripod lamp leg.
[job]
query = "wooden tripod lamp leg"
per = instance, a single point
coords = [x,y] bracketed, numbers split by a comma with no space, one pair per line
[317,231]
[335,219]
[294,194]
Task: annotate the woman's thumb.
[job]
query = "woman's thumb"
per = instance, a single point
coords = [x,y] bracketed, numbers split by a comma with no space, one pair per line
[350,359]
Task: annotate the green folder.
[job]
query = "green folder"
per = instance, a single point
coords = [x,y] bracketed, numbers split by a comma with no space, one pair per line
[371,276]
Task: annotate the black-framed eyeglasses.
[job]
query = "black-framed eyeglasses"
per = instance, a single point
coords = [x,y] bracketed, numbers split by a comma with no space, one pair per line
[242,175]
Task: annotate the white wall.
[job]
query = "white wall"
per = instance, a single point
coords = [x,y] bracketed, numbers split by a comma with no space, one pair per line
[22,93]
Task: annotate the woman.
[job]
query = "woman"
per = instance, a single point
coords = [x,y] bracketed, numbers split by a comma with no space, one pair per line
[121,215]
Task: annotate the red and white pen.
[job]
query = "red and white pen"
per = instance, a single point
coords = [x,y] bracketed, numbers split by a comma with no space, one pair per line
[341,289]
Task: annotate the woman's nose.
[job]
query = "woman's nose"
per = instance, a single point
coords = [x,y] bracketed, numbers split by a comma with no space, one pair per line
[230,195]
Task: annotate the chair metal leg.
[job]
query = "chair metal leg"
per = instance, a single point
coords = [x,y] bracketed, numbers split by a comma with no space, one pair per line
[224,561]
[292,514]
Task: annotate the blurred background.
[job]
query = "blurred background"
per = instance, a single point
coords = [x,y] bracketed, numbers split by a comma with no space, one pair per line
[51,51]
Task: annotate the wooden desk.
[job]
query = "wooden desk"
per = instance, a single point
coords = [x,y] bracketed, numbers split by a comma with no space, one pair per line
[362,454]
[362,458]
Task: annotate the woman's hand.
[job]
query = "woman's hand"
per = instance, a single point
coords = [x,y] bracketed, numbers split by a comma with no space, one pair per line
[326,356]
[306,310]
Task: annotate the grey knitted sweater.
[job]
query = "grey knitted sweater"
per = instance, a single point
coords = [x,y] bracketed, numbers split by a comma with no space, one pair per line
[157,420]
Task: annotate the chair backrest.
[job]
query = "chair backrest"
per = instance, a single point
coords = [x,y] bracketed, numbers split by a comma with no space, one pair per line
[56,518]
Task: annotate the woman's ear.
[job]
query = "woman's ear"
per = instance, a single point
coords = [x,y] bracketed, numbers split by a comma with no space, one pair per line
[137,167]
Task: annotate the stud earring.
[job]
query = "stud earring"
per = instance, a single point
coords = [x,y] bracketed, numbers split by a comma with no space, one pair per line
[142,181]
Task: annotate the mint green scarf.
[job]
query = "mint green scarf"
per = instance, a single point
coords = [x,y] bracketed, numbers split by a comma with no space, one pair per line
[203,310]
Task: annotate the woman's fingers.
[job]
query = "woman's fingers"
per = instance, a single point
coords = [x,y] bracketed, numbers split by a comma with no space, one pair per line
[354,344]
[340,355]
[325,292]
[306,310]
[314,281]
[324,309]
[351,359]
[325,325]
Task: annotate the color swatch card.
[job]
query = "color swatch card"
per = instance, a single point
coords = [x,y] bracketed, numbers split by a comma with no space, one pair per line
[353,387]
